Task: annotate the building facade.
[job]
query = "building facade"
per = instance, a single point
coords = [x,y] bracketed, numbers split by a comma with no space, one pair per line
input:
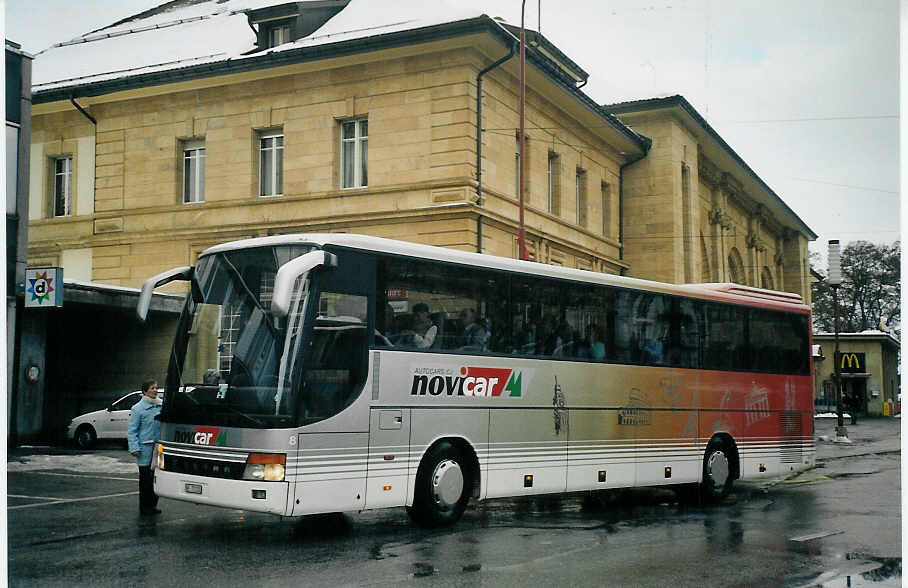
[383,142]
[868,363]
[694,211]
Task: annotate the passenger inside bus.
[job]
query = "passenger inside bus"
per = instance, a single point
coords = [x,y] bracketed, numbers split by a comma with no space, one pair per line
[592,346]
[564,341]
[546,335]
[475,335]
[654,345]
[422,331]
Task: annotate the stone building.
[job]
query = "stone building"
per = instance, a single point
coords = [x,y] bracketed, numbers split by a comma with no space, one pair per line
[199,122]
[694,211]
[868,363]
[378,137]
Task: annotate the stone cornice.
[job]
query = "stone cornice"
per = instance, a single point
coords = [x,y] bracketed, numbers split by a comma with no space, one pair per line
[731,185]
[709,172]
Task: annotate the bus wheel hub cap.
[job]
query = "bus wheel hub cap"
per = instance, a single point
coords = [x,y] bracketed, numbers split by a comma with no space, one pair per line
[718,468]
[447,483]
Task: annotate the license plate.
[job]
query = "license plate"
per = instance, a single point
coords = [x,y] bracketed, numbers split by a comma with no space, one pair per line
[193,488]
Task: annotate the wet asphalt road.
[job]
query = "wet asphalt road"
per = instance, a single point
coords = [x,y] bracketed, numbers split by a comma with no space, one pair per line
[73,520]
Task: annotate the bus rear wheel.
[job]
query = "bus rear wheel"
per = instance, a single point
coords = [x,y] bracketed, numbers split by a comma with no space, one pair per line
[442,487]
[717,471]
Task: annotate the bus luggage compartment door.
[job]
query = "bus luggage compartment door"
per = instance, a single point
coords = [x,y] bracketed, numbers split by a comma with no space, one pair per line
[389,451]
[330,473]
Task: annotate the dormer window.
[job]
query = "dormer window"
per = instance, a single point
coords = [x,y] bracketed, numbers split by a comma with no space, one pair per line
[278,33]
[279,24]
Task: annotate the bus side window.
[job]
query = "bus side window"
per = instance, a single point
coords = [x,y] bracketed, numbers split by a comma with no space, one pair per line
[796,349]
[725,346]
[652,319]
[624,341]
[690,327]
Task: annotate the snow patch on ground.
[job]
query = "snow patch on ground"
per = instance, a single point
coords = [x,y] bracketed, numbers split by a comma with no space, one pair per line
[81,463]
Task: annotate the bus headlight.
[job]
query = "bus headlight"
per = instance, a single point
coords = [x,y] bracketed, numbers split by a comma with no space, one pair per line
[268,467]
[159,456]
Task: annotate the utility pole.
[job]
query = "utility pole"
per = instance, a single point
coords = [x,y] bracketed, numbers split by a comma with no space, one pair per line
[521,235]
[835,280]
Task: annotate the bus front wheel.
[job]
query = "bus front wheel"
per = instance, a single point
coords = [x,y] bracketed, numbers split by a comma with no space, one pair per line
[442,487]
[717,471]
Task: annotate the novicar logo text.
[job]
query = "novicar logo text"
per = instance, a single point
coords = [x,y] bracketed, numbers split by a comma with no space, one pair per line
[200,436]
[471,381]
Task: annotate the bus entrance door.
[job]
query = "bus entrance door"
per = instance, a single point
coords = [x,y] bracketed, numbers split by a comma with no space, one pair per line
[389,448]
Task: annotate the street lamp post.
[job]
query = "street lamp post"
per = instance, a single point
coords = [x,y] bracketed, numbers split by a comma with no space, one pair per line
[835,280]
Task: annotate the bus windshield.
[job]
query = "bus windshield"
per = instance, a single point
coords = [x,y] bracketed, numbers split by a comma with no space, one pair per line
[226,366]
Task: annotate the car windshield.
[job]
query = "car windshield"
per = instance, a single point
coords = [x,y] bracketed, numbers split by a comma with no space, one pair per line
[226,363]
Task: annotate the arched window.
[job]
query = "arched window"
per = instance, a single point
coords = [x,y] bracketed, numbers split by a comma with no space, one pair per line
[766,280]
[706,274]
[736,267]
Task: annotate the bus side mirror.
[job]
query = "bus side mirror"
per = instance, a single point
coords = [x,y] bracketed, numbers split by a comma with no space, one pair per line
[287,275]
[177,273]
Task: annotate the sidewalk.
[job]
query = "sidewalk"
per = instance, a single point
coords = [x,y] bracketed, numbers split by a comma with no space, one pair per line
[872,435]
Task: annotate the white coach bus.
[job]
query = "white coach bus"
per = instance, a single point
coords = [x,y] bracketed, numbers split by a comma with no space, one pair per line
[323,373]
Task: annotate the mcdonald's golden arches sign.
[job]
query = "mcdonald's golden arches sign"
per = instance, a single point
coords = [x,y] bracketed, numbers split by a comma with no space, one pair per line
[851,363]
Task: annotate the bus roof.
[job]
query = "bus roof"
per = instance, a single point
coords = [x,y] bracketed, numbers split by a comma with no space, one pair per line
[726,292]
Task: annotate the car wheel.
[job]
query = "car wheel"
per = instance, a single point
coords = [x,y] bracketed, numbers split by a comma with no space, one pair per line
[442,487]
[85,436]
[717,472]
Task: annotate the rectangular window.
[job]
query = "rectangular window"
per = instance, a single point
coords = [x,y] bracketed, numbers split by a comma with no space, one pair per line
[725,338]
[63,186]
[689,352]
[606,196]
[271,163]
[278,35]
[560,319]
[229,332]
[778,342]
[580,196]
[432,306]
[193,171]
[553,191]
[354,153]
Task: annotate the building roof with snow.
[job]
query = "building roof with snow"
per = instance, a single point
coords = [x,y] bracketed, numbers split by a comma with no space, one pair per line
[868,335]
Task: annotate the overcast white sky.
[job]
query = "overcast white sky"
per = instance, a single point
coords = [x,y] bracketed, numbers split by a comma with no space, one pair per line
[805,91]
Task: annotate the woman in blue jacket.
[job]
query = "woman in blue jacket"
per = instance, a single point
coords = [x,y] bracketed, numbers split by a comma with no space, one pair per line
[144,430]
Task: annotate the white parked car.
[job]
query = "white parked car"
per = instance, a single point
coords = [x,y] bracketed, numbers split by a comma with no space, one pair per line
[107,423]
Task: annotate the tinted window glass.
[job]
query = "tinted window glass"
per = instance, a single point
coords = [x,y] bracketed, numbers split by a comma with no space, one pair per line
[778,342]
[643,331]
[725,342]
[689,347]
[560,319]
[433,306]
[334,370]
